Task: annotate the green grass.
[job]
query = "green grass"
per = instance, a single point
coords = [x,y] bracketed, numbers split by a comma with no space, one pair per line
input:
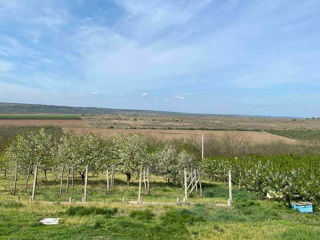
[106,217]
[301,134]
[38,116]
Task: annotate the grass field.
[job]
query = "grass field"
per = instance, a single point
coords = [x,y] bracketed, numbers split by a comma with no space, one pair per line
[249,218]
[299,134]
[39,116]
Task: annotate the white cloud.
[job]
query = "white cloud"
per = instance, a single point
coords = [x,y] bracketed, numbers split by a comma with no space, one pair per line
[5,66]
[181,97]
[144,94]
[123,95]
[94,93]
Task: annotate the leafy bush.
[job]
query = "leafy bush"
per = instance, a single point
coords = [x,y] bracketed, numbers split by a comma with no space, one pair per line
[83,211]
[142,215]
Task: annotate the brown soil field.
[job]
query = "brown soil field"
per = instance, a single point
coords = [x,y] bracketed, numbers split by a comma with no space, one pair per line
[44,122]
[253,137]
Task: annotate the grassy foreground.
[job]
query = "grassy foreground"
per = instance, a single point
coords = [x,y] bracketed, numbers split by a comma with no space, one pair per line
[249,218]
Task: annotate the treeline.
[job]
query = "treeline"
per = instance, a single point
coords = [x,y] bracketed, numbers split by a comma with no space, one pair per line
[44,151]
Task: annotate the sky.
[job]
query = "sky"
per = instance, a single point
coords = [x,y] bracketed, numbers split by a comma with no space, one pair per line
[248,57]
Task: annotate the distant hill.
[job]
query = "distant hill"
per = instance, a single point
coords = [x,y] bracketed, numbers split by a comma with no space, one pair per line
[9,108]
[21,108]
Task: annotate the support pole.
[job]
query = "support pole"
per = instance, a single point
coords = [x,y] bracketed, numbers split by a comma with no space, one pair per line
[230,189]
[85,185]
[185,186]
[15,180]
[195,175]
[72,178]
[34,182]
[144,180]
[202,147]
[140,180]
[148,181]
[112,178]
[200,186]
[68,179]
[108,187]
[61,180]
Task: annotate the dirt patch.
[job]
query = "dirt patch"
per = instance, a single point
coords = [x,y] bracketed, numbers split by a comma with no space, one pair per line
[250,136]
[65,123]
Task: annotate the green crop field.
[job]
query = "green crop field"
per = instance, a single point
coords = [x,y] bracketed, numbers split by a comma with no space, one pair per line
[39,116]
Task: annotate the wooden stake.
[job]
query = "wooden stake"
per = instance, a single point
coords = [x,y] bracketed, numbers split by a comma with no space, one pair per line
[72,179]
[61,180]
[200,186]
[148,181]
[230,189]
[70,199]
[140,180]
[185,186]
[68,179]
[112,178]
[85,185]
[202,147]
[108,187]
[195,174]
[34,183]
[27,180]
[15,180]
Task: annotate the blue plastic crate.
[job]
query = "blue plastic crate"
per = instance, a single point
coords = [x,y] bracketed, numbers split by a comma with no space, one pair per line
[303,207]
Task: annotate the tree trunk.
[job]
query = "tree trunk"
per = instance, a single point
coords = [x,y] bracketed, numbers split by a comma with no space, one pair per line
[5,173]
[27,180]
[82,178]
[15,180]
[128,178]
[45,174]
[61,180]
[68,179]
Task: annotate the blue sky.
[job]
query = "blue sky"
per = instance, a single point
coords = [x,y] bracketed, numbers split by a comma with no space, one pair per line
[204,56]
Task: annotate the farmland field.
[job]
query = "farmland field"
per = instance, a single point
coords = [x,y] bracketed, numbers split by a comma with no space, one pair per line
[253,137]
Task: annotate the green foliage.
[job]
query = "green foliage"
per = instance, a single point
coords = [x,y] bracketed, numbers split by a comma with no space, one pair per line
[286,178]
[145,215]
[130,152]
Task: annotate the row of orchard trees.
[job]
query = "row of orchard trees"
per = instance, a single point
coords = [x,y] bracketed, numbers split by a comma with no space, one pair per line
[73,153]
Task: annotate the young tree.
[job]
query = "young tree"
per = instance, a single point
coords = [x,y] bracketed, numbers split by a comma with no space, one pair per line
[35,148]
[79,151]
[168,164]
[130,153]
